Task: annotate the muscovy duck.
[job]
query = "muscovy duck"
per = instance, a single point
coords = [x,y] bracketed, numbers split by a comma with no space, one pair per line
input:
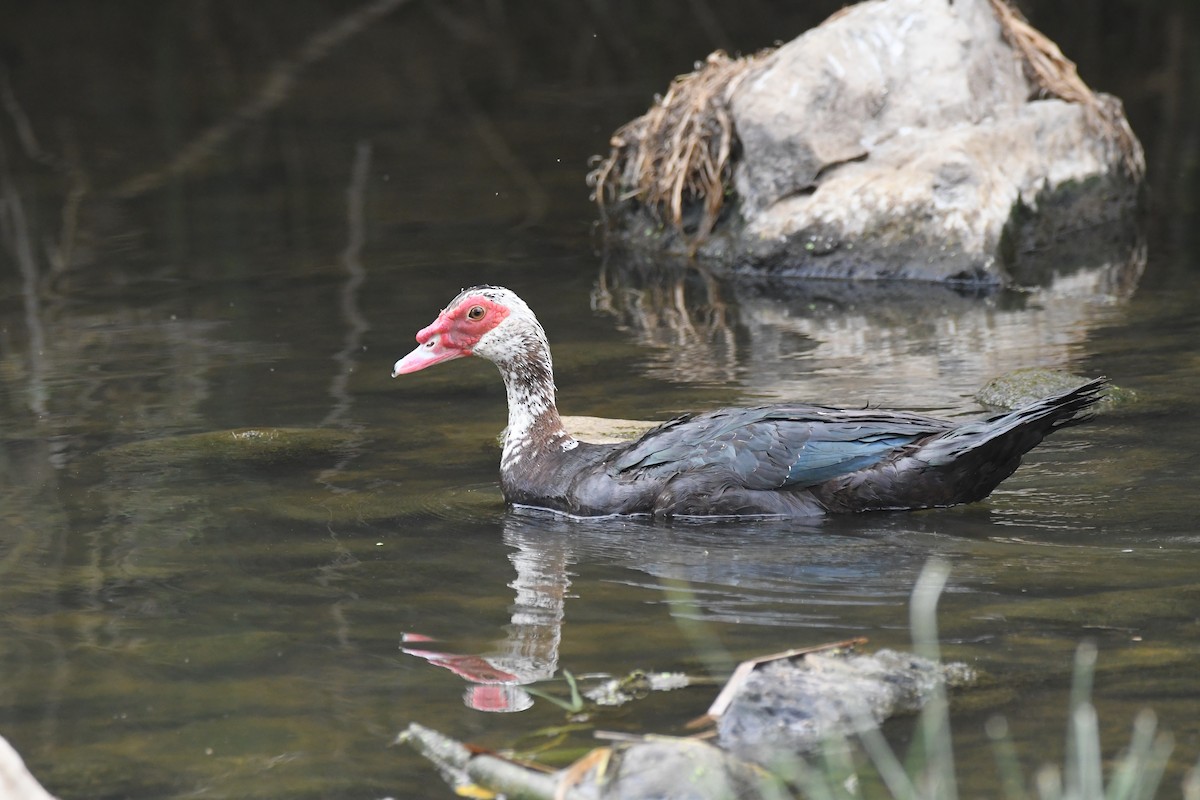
[776,460]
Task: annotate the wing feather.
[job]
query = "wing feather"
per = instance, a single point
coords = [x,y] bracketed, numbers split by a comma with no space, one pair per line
[773,447]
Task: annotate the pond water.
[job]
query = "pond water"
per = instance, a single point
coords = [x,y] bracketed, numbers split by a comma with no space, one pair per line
[187,613]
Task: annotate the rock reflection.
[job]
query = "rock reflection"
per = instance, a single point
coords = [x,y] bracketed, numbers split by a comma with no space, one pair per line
[904,344]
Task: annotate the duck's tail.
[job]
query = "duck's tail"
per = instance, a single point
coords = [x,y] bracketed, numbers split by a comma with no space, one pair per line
[984,452]
[961,465]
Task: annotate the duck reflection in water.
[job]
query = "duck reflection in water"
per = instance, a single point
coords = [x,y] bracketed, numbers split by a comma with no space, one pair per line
[803,573]
[529,651]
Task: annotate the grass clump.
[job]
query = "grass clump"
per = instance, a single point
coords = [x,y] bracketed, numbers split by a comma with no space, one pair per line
[930,773]
[676,159]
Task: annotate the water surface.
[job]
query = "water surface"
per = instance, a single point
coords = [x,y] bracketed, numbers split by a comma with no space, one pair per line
[179,621]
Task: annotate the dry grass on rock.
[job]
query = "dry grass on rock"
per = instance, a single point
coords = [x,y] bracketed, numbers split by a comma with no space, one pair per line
[678,155]
[675,162]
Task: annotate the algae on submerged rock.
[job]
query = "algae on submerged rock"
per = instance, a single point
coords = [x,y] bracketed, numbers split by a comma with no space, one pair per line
[241,446]
[1024,386]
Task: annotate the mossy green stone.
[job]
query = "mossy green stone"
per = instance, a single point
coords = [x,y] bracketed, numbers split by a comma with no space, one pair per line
[248,446]
[1024,386]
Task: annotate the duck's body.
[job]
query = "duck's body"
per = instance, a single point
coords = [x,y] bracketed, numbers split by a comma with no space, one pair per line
[780,460]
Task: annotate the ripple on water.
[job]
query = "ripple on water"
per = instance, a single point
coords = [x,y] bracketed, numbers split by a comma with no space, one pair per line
[468,504]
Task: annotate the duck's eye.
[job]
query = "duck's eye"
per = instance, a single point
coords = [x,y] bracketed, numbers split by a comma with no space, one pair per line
[476,313]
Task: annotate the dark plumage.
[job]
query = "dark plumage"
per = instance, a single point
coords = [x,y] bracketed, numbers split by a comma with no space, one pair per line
[790,460]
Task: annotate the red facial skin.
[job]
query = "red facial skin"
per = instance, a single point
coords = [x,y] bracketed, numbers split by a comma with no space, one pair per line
[453,334]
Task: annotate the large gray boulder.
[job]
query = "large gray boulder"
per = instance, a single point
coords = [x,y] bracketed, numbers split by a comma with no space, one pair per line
[906,139]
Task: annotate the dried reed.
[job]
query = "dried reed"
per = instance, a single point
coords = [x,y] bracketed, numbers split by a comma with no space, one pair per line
[678,154]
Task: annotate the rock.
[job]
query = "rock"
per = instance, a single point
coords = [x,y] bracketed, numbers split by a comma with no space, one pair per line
[602,430]
[842,92]
[253,447]
[898,140]
[1023,386]
[684,769]
[793,706]
[653,769]
[933,205]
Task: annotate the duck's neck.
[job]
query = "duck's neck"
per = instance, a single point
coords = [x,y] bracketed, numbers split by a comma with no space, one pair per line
[534,425]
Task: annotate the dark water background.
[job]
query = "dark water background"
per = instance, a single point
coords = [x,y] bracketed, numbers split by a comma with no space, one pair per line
[211,220]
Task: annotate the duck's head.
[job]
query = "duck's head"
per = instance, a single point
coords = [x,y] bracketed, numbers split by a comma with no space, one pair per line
[486,321]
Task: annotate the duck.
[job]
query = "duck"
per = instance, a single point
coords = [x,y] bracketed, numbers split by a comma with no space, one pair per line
[783,460]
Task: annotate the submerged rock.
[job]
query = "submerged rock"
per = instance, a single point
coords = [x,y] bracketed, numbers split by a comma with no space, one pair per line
[602,430]
[1023,386]
[901,139]
[245,446]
